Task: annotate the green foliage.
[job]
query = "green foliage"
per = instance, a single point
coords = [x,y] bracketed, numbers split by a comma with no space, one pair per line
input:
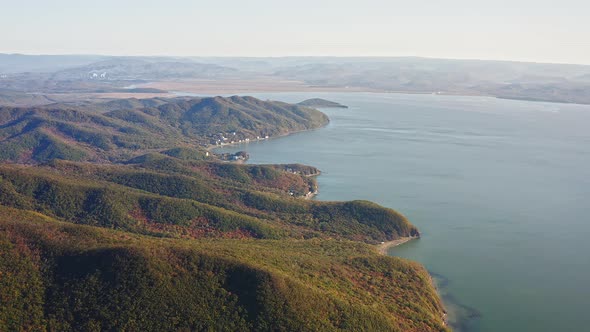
[103,131]
[275,203]
[168,185]
[99,139]
[10,197]
[50,148]
[112,206]
[146,246]
[186,153]
[169,204]
[233,172]
[82,278]
[38,146]
[21,286]
[362,220]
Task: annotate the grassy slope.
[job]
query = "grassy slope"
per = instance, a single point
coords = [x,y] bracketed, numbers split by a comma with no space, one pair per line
[71,277]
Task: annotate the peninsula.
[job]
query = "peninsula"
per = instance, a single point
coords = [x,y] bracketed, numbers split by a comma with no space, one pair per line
[114,216]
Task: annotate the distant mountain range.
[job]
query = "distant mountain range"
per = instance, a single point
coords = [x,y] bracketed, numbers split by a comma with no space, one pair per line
[517,80]
[21,63]
[140,69]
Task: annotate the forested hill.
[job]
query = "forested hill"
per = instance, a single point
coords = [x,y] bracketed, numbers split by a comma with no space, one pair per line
[66,277]
[120,129]
[124,222]
[172,244]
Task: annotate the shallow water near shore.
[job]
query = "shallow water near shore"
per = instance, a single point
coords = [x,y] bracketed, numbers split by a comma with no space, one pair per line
[500,190]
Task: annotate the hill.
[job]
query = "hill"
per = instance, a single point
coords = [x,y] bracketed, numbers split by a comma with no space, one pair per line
[67,277]
[121,129]
[200,245]
[191,199]
[114,216]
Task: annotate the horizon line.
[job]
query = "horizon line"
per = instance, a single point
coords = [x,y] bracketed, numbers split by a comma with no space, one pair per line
[297,56]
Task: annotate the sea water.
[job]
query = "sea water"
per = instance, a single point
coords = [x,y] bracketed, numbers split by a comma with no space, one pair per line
[500,190]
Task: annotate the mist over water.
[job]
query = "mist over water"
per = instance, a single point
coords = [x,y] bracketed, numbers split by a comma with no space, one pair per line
[500,190]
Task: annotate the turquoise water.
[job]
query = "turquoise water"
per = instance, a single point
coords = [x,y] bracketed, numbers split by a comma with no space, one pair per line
[500,190]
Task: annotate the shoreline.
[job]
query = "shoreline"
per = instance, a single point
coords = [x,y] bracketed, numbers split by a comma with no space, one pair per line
[310,195]
[383,247]
[213,147]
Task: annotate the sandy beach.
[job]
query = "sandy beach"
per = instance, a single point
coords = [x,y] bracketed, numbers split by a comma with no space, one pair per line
[382,248]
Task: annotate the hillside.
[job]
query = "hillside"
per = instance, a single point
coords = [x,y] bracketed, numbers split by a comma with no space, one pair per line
[200,245]
[194,200]
[114,216]
[121,129]
[68,277]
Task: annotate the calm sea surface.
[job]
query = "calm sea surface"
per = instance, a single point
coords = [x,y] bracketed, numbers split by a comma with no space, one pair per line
[500,190]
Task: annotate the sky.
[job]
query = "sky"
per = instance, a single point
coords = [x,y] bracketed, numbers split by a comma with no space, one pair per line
[521,30]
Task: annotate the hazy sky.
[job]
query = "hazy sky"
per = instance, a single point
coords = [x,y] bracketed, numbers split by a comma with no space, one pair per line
[527,30]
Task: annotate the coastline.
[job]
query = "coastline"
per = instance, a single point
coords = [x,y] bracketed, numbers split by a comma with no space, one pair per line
[213,147]
[383,247]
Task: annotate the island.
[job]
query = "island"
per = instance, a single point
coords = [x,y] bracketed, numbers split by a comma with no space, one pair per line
[321,103]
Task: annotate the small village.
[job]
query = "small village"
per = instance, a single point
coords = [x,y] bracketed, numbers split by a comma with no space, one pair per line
[222,139]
